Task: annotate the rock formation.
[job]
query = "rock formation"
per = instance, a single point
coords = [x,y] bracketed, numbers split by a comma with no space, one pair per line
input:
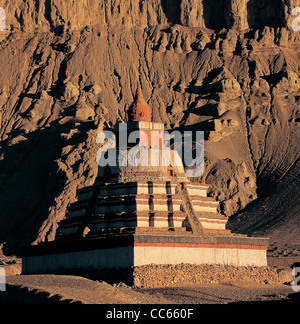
[229,68]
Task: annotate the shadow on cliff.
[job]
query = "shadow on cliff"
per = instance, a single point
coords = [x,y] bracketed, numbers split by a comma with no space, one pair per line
[276,212]
[171,9]
[213,14]
[267,13]
[48,16]
[30,180]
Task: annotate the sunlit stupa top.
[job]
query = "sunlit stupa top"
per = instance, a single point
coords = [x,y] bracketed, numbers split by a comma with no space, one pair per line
[139,111]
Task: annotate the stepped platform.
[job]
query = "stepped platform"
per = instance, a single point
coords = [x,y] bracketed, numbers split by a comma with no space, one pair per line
[132,248]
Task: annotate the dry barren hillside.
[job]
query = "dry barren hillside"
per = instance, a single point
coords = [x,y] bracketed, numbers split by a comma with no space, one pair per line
[229,68]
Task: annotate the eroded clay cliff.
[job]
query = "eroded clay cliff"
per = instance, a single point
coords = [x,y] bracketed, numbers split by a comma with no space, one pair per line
[229,68]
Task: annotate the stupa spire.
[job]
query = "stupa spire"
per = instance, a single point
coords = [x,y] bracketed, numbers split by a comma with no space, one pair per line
[139,111]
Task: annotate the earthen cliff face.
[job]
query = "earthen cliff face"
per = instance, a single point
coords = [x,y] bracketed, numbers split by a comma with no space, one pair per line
[229,68]
[61,15]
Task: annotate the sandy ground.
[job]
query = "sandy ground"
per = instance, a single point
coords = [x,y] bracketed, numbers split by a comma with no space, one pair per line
[49,289]
[239,292]
[69,289]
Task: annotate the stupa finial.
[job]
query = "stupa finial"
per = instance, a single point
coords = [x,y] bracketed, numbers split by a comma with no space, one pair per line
[139,111]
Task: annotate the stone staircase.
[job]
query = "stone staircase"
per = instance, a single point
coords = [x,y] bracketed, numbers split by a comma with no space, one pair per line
[195,224]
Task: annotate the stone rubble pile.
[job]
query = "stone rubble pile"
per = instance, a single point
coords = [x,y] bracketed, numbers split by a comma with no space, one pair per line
[154,276]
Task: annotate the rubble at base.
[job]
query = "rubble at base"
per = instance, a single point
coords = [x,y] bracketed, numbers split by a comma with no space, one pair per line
[156,276]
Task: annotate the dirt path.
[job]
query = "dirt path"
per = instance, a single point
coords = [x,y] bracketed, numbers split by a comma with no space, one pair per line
[49,289]
[69,289]
[225,294]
